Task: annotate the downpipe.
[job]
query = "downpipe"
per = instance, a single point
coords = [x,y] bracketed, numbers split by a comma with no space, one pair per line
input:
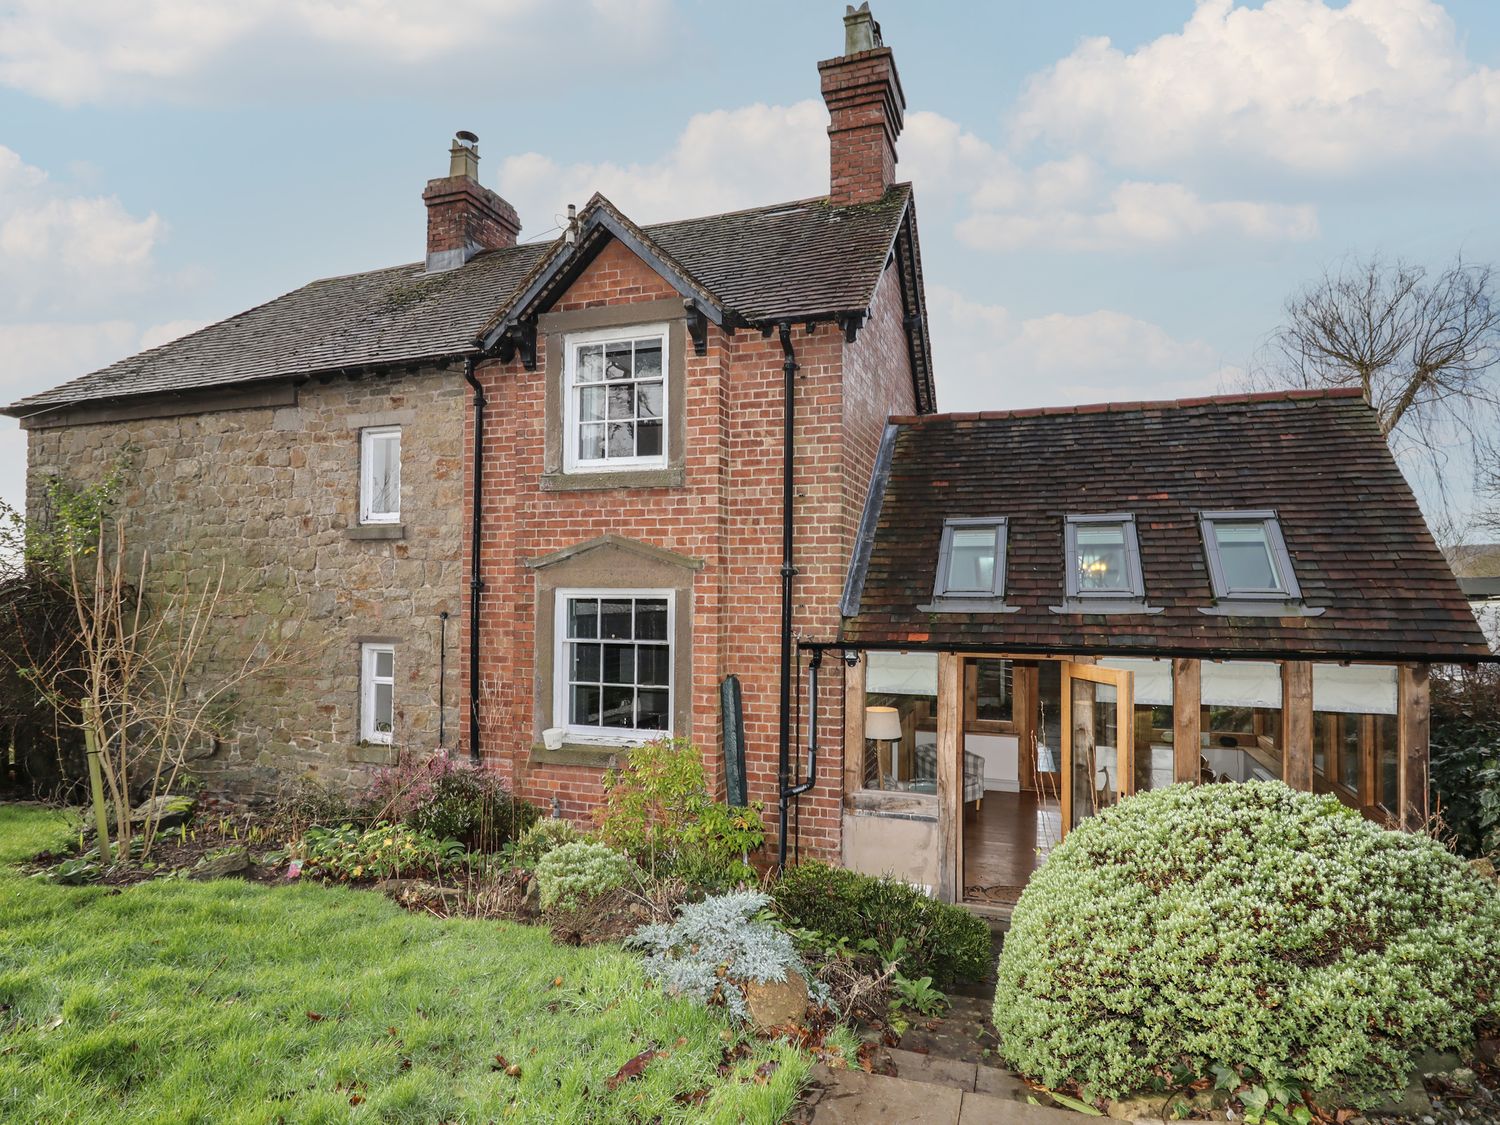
[476,585]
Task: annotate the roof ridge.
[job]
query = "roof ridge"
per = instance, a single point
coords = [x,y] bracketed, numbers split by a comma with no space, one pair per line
[1289,395]
[904,186]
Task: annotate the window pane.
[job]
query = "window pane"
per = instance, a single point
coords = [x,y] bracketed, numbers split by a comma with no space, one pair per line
[971,559]
[619,707]
[648,439]
[621,402]
[648,359]
[384,713]
[651,619]
[992,701]
[385,473]
[648,400]
[590,363]
[617,361]
[615,620]
[385,665]
[651,711]
[1101,557]
[1390,777]
[653,664]
[621,439]
[619,664]
[586,662]
[1246,556]
[583,617]
[1243,744]
[591,442]
[591,404]
[585,711]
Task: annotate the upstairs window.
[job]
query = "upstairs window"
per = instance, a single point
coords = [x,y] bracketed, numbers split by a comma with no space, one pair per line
[971,559]
[380,475]
[377,711]
[616,399]
[614,663]
[1104,557]
[1247,558]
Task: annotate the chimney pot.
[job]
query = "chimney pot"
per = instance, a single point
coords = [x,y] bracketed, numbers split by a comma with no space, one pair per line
[463,157]
[861,32]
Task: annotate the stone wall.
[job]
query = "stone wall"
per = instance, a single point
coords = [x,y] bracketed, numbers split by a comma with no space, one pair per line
[272,495]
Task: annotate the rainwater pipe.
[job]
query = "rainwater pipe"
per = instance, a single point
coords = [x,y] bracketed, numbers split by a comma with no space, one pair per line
[476,584]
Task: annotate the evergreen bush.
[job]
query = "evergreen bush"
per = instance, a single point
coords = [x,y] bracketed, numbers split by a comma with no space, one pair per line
[1246,929]
[572,873]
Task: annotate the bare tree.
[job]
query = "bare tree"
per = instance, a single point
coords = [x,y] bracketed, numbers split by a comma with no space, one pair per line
[1423,348]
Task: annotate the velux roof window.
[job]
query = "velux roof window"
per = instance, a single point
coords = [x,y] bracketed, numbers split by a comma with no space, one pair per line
[1247,557]
[971,559]
[1104,557]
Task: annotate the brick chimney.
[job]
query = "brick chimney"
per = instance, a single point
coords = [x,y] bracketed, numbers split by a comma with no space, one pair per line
[865,104]
[464,217]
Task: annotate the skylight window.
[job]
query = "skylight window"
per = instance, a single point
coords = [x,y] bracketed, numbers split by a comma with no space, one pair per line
[971,559]
[1247,557]
[1104,557]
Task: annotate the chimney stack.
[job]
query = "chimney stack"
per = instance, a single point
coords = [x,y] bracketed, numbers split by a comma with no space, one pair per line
[464,217]
[865,106]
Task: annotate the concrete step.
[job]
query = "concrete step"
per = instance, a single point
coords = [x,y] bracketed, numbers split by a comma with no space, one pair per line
[960,1075]
[852,1097]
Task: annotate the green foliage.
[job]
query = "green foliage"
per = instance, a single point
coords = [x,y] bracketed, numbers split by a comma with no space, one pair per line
[941,941]
[571,873]
[384,851]
[1247,927]
[229,1001]
[450,799]
[541,838]
[1466,782]
[659,810]
[69,525]
[918,995]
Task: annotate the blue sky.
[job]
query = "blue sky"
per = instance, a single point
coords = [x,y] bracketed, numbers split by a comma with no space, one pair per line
[1115,199]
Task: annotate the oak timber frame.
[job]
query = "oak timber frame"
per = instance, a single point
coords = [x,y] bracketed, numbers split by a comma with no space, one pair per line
[954,679]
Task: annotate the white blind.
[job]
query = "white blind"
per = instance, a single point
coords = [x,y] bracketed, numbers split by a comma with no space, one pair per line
[901,673]
[1359,689]
[1241,683]
[1152,679]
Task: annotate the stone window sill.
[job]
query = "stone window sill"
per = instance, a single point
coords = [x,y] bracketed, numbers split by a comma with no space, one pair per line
[670,477]
[374,753]
[578,754]
[376,531]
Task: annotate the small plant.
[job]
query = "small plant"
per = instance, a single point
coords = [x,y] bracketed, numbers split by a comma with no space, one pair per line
[658,809]
[571,873]
[1466,781]
[451,800]
[716,945]
[385,851]
[918,995]
[936,939]
[541,838]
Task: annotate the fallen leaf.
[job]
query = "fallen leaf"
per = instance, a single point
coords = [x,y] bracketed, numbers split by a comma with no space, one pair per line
[500,1063]
[764,1071]
[630,1070]
[314,1016]
[355,1099]
[513,1070]
[682,1041]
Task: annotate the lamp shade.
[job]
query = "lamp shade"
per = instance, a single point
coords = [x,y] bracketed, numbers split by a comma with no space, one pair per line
[882,723]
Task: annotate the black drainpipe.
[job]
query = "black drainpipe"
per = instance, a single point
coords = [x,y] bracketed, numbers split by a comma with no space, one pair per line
[788,572]
[476,586]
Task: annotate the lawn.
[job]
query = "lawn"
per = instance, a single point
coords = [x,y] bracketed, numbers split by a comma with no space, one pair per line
[227,1001]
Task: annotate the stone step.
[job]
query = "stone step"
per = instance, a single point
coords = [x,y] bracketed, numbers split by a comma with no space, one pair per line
[959,1075]
[852,1097]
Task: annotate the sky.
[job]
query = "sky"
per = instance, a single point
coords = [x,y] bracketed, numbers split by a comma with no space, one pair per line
[1115,200]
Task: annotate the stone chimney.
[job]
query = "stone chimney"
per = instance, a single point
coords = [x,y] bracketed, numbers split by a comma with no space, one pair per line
[865,105]
[464,217]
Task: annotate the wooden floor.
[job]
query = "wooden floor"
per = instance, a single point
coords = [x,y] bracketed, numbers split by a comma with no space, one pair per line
[1002,841]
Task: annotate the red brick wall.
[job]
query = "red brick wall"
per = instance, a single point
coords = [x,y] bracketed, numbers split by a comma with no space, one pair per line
[728,514]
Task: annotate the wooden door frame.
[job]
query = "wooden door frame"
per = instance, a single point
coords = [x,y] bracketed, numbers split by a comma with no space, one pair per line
[1123,682]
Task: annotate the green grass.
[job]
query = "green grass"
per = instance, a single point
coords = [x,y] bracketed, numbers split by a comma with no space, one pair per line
[189,1002]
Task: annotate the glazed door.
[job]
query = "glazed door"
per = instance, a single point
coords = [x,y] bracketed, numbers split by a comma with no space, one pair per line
[1097,746]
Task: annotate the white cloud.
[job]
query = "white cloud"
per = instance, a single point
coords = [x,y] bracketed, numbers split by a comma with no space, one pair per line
[989,359]
[62,251]
[722,160]
[84,51]
[1299,83]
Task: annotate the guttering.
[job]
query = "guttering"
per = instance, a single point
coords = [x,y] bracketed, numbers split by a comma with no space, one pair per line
[476,584]
[787,792]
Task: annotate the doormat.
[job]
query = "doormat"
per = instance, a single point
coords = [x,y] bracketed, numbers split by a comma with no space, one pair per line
[1003,894]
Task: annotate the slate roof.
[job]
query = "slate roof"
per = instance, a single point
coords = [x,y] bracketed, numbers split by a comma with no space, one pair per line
[1359,545]
[803,259]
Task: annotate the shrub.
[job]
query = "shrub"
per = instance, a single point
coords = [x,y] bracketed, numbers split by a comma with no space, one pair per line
[384,851]
[541,838]
[452,800]
[660,811]
[942,941]
[1244,929]
[714,946]
[570,873]
[1466,782]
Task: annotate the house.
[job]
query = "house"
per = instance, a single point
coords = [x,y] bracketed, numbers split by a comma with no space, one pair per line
[1049,610]
[537,502]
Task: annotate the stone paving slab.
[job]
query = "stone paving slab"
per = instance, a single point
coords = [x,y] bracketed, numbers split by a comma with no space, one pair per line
[933,1069]
[857,1098]
[986,1109]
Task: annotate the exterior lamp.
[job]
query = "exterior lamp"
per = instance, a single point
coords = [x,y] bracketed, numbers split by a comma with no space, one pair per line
[883,724]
